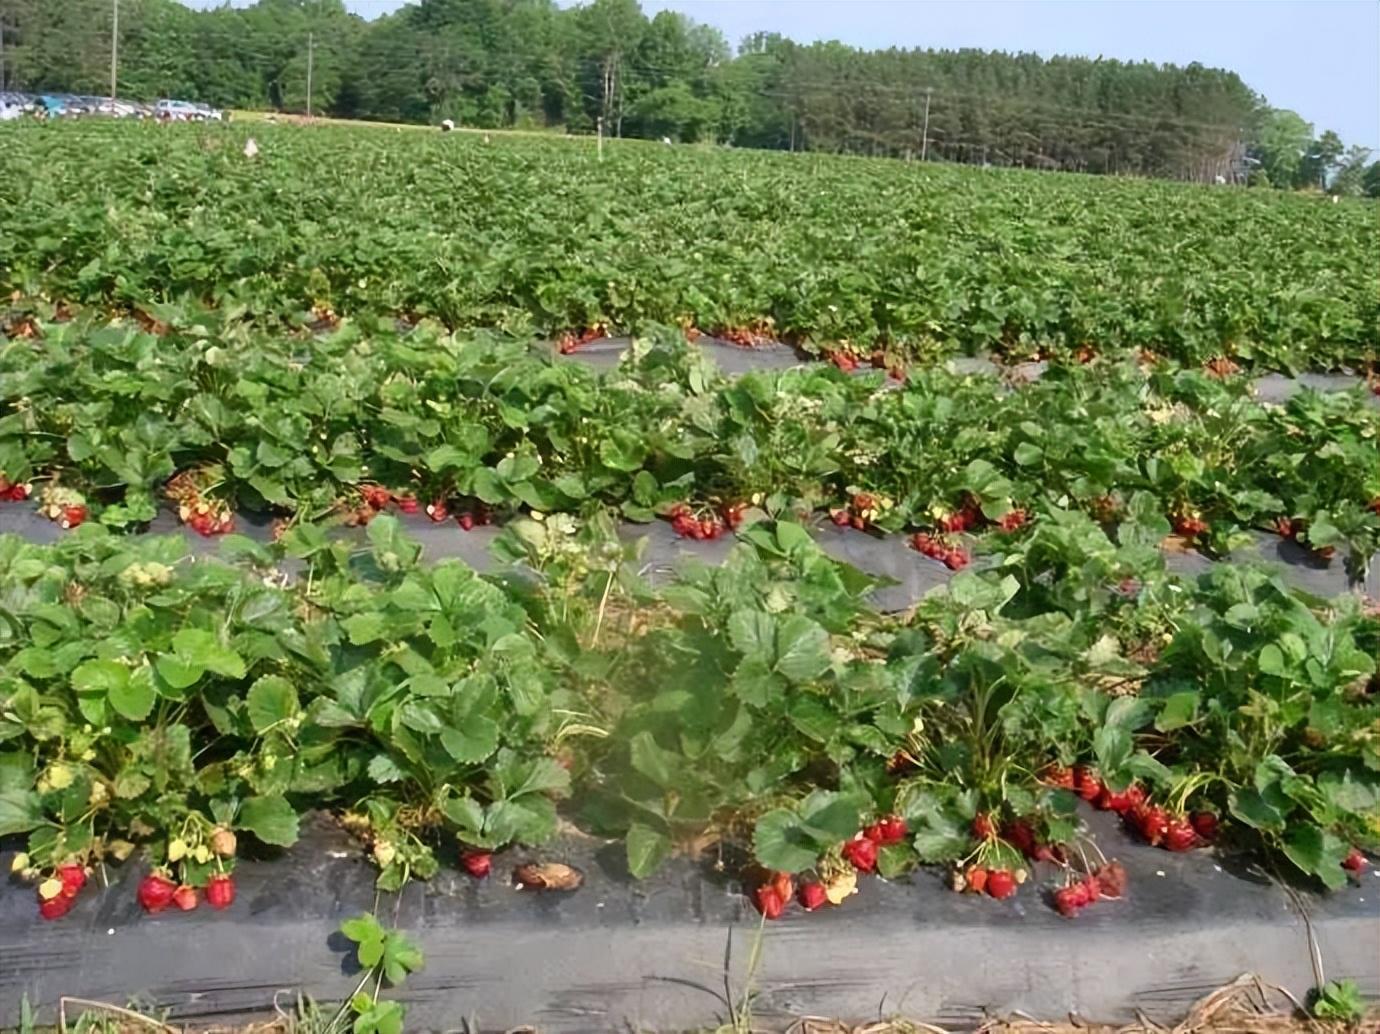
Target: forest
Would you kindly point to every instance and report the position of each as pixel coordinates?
(534, 64)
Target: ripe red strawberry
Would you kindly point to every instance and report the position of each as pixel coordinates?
(1021, 835)
(976, 879)
(1204, 824)
(1091, 888)
(893, 829)
(1086, 783)
(859, 523)
(466, 521)
(184, 897)
(1001, 884)
(1128, 588)
(1179, 835)
(1355, 861)
(784, 886)
(1068, 900)
(1111, 880)
(889, 829)
(812, 896)
(55, 908)
(839, 517)
(156, 892)
(733, 514)
(709, 528)
(956, 559)
(73, 516)
(1151, 822)
(983, 827)
(375, 496)
(1121, 802)
(437, 511)
(220, 891)
(1013, 520)
(408, 503)
(73, 879)
(477, 863)
(768, 901)
(861, 853)
(1058, 775)
(1188, 526)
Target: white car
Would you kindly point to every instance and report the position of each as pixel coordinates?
(186, 111)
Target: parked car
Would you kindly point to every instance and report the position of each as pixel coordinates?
(186, 111)
(15, 105)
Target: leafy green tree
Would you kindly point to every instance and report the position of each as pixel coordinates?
(496, 63)
(1321, 159)
(1281, 141)
(1370, 182)
(1350, 177)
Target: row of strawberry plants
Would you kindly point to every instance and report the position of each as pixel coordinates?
(531, 234)
(189, 707)
(98, 420)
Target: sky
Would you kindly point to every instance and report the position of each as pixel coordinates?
(1319, 57)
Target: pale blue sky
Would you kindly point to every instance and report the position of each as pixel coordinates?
(1319, 57)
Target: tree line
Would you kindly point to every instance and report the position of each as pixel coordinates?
(533, 64)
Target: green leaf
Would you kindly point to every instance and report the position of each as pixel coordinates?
(272, 699)
(753, 633)
(529, 819)
(780, 842)
(20, 811)
(1317, 853)
(466, 813)
(271, 819)
(99, 676)
(936, 846)
(830, 817)
(802, 648)
(895, 860)
(1248, 805)
(1270, 661)
(659, 765)
(135, 698)
(647, 849)
(199, 647)
(177, 672)
(474, 743)
(362, 928)
(400, 957)
(364, 628)
(1179, 709)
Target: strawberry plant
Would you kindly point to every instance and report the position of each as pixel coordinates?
(847, 257)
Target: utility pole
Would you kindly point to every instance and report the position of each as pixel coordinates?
(925, 133)
(599, 128)
(311, 49)
(114, 47)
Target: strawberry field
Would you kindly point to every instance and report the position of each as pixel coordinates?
(358, 328)
(837, 254)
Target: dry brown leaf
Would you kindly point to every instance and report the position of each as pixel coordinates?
(548, 876)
